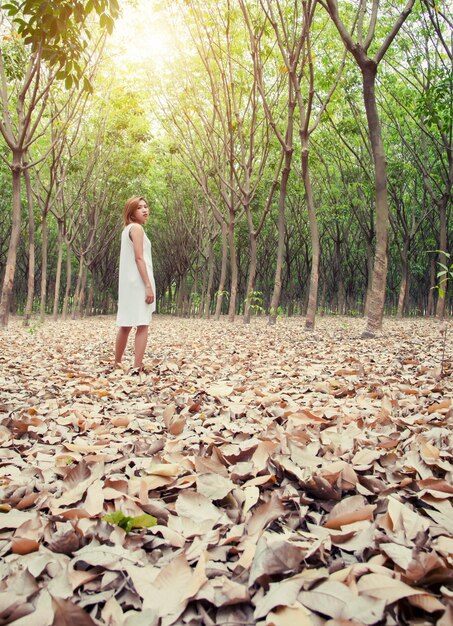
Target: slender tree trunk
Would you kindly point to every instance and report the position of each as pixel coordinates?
(376, 297)
(275, 301)
(42, 311)
(193, 290)
(233, 268)
(342, 305)
(58, 272)
(404, 286)
(78, 289)
(205, 271)
(81, 310)
(440, 308)
(223, 271)
(315, 248)
(170, 298)
(322, 304)
(31, 249)
(369, 269)
(251, 282)
(207, 305)
(90, 299)
(10, 267)
(68, 281)
(181, 296)
(432, 283)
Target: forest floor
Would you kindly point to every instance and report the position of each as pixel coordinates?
(297, 479)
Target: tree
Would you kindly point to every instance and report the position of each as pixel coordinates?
(368, 66)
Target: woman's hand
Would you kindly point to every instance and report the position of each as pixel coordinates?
(149, 295)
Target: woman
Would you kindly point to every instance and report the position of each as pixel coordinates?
(136, 294)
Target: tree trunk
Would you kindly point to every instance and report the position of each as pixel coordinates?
(369, 269)
(201, 307)
(315, 248)
(281, 239)
(404, 286)
(81, 304)
(68, 281)
(31, 250)
(10, 267)
(181, 297)
(58, 273)
(78, 289)
(251, 282)
(89, 307)
(432, 284)
(42, 310)
(170, 298)
(322, 304)
(223, 271)
(376, 297)
(207, 305)
(233, 268)
(441, 300)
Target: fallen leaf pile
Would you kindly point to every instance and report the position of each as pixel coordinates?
(251, 475)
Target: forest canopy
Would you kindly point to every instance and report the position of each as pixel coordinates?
(296, 156)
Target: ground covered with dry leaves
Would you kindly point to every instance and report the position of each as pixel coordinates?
(294, 478)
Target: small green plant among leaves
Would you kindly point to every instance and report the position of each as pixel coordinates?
(255, 300)
(33, 328)
(128, 523)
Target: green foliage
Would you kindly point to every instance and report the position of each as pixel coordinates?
(14, 57)
(434, 104)
(59, 31)
(34, 328)
(128, 523)
(223, 293)
(444, 275)
(196, 299)
(255, 300)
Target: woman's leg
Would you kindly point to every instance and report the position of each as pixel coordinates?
(121, 342)
(141, 338)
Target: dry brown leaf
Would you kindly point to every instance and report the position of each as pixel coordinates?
(174, 421)
(290, 616)
(264, 515)
(213, 486)
(427, 602)
(348, 511)
(67, 614)
(385, 588)
(280, 594)
(21, 545)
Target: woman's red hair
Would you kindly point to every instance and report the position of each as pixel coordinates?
(130, 207)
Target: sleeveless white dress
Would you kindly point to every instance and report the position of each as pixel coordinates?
(132, 308)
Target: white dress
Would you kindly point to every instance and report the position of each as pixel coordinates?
(132, 308)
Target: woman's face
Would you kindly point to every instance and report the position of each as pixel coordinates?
(141, 213)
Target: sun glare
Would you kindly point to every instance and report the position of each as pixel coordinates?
(142, 34)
